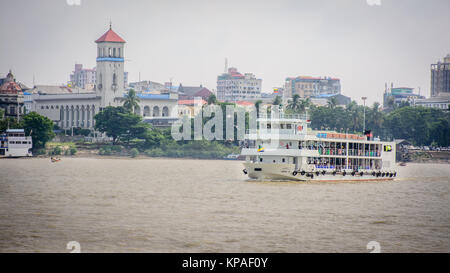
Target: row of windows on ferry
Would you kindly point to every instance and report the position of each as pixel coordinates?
(331, 163)
(331, 148)
(110, 52)
(19, 142)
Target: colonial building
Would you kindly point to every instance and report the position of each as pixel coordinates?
(192, 92)
(76, 107)
(11, 97)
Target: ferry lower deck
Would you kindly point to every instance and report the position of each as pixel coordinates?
(279, 171)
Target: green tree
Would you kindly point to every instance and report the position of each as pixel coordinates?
(257, 106)
(131, 101)
(118, 122)
(297, 105)
(332, 102)
(212, 99)
(40, 128)
(277, 101)
(9, 122)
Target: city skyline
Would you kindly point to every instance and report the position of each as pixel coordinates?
(395, 41)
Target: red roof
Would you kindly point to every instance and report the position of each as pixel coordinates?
(110, 36)
(190, 102)
(245, 103)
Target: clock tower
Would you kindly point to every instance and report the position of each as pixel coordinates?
(110, 70)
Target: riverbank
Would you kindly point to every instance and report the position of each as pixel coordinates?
(190, 150)
(439, 157)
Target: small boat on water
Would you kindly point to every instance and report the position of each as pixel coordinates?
(232, 157)
(402, 164)
(55, 159)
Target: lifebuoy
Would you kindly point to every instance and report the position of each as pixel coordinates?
(344, 173)
(302, 172)
(395, 174)
(361, 173)
(353, 173)
(245, 171)
(374, 173)
(323, 172)
(378, 174)
(334, 172)
(294, 173)
(382, 174)
(317, 173)
(391, 174)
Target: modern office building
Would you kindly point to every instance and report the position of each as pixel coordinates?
(398, 95)
(440, 78)
(86, 78)
(233, 86)
(308, 87)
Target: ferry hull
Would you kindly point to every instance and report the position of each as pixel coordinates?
(284, 172)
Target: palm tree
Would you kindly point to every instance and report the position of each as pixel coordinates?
(390, 104)
(298, 105)
(257, 105)
(277, 101)
(294, 104)
(332, 102)
(376, 116)
(131, 101)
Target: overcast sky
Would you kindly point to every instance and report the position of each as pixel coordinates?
(363, 45)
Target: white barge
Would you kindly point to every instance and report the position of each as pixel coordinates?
(14, 143)
(283, 148)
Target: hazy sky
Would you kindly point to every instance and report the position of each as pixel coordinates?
(363, 45)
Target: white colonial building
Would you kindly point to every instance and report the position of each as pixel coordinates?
(72, 107)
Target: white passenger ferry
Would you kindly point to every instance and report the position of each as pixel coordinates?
(283, 148)
(14, 143)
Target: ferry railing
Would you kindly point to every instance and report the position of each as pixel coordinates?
(271, 131)
(284, 116)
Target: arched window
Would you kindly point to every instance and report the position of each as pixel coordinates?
(165, 111)
(114, 79)
(156, 111)
(146, 111)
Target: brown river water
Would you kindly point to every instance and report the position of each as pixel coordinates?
(182, 205)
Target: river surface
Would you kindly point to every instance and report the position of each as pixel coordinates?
(181, 205)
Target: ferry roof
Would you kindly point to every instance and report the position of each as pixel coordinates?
(15, 131)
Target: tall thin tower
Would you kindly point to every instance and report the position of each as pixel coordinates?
(225, 70)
